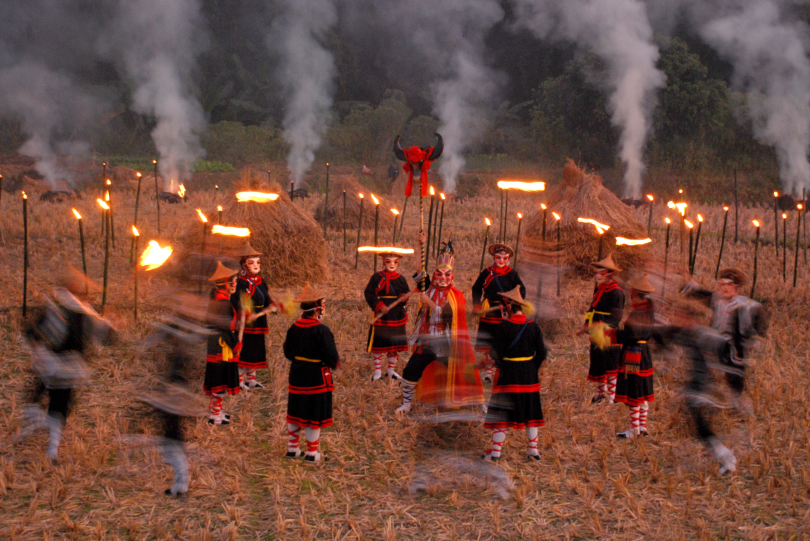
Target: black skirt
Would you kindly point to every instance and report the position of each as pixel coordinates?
(385, 339)
(309, 401)
(254, 352)
(604, 364)
(515, 400)
(635, 383)
(483, 338)
(221, 377)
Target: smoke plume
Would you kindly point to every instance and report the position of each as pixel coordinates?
(306, 74)
(157, 43)
(619, 33)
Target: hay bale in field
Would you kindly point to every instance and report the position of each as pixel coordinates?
(353, 188)
(582, 195)
(291, 239)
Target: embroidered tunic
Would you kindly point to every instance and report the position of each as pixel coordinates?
(518, 350)
(635, 382)
(310, 346)
(223, 348)
(254, 349)
(388, 334)
(485, 295)
(606, 306)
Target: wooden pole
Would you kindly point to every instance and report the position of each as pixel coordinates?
(157, 195)
(796, 253)
(402, 219)
(430, 222)
(500, 218)
(545, 209)
(326, 202)
(84, 258)
(736, 210)
(484, 248)
(394, 233)
(25, 254)
(559, 256)
(376, 231)
(756, 259)
(776, 223)
(344, 221)
(784, 246)
(423, 270)
(359, 230)
(505, 216)
(666, 258)
(649, 218)
(133, 251)
(106, 262)
(517, 239)
(722, 242)
(441, 223)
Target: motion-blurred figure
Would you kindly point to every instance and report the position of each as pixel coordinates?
(58, 340)
(518, 351)
(443, 362)
(310, 346)
(499, 278)
(606, 307)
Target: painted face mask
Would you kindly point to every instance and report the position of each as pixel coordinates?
(253, 265)
(391, 264)
(442, 278)
(501, 259)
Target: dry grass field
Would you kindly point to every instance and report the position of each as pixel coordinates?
(389, 478)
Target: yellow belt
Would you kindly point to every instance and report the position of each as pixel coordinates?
(518, 358)
(589, 316)
(297, 358)
(387, 297)
(641, 342)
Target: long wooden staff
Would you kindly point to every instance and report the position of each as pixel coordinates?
(423, 269)
(400, 300)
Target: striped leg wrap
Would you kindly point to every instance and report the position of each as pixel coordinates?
(611, 388)
(294, 435)
(378, 360)
(216, 405)
(635, 414)
(392, 362)
(313, 440)
(642, 418)
(498, 437)
(533, 435)
(407, 391)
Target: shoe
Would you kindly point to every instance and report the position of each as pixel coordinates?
(255, 385)
(219, 421)
(628, 434)
(294, 453)
(643, 432)
(404, 408)
(377, 375)
(244, 387)
(489, 458)
(728, 462)
(169, 492)
(533, 458)
(226, 416)
(393, 375)
(598, 397)
(316, 458)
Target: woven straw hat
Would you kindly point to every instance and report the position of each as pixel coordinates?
(498, 247)
(514, 296)
(642, 283)
(249, 251)
(309, 294)
(222, 273)
(607, 263)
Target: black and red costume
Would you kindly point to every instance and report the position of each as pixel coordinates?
(223, 348)
(634, 386)
(607, 306)
(310, 346)
(254, 349)
(518, 350)
(490, 282)
(388, 334)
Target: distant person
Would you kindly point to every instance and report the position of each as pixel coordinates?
(519, 351)
(386, 294)
(606, 307)
(498, 278)
(310, 347)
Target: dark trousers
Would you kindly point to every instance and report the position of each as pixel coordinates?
(59, 400)
(418, 362)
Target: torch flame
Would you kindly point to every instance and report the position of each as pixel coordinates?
(621, 241)
(671, 204)
(107, 196)
(776, 194)
(680, 191)
(800, 206)
(361, 195)
(526, 186)
(442, 196)
(76, 214)
(725, 209)
(154, 161)
(600, 228)
(784, 216)
(109, 183)
(688, 224)
(182, 191)
(650, 197)
(520, 216)
(256, 197)
(487, 222)
(755, 222)
(681, 208)
(667, 220)
(231, 231)
(385, 250)
(154, 255)
(432, 191)
(700, 218)
(376, 201)
(138, 174)
(543, 206)
(395, 212)
(102, 204)
(135, 232)
(202, 216)
(556, 216)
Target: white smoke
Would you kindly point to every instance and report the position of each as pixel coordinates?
(158, 43)
(619, 33)
(306, 71)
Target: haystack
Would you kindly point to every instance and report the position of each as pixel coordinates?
(291, 239)
(353, 188)
(582, 195)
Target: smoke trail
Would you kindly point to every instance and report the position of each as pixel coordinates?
(158, 43)
(307, 71)
(770, 62)
(448, 38)
(619, 33)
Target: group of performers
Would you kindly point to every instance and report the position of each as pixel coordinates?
(442, 369)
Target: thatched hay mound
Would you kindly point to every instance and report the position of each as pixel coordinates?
(291, 239)
(353, 188)
(582, 195)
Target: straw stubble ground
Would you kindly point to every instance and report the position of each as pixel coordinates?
(109, 483)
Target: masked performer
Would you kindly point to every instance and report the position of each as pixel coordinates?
(256, 302)
(224, 345)
(736, 317)
(443, 361)
(606, 307)
(635, 380)
(58, 340)
(498, 278)
(518, 351)
(386, 293)
(311, 349)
